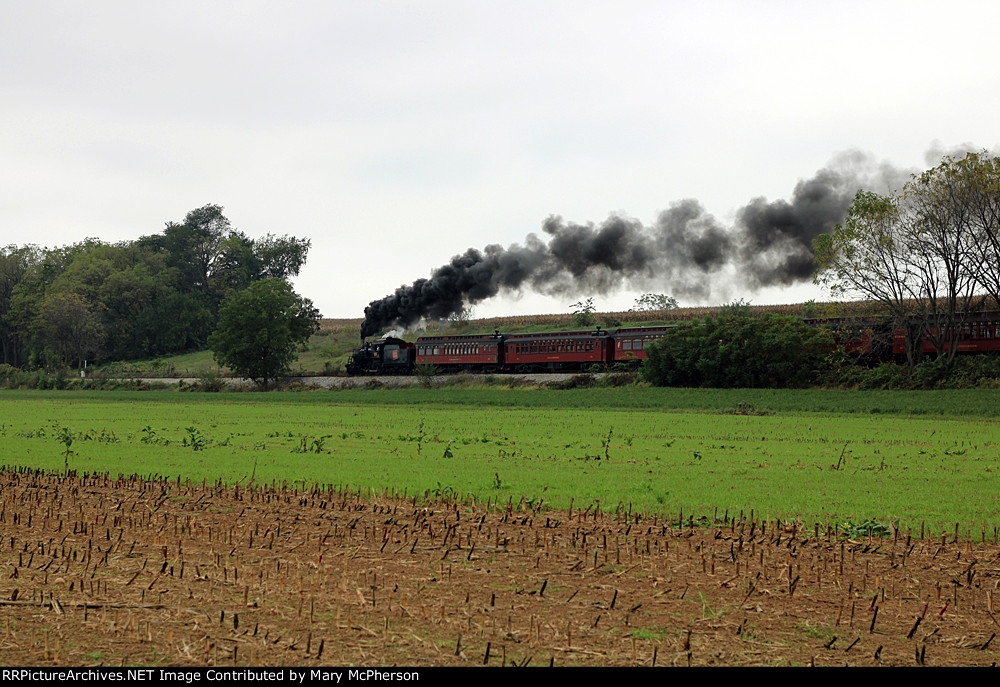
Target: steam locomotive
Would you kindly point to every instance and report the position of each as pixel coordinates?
(873, 340)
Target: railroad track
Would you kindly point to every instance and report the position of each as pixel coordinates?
(361, 380)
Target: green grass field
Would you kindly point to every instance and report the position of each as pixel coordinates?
(924, 458)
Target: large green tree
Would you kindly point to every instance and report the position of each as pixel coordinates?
(260, 329)
(209, 257)
(650, 302)
(16, 264)
(70, 328)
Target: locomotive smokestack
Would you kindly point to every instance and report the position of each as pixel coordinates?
(682, 251)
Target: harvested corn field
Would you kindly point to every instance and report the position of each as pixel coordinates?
(135, 571)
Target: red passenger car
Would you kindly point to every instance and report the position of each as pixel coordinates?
(475, 352)
(980, 333)
(553, 351)
(630, 343)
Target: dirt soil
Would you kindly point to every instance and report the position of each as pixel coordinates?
(99, 571)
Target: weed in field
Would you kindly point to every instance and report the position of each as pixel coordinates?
(747, 632)
(420, 437)
(706, 609)
(195, 439)
(151, 437)
(66, 437)
(868, 528)
(313, 444)
(445, 490)
(822, 633)
(106, 437)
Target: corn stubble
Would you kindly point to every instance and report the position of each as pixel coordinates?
(100, 570)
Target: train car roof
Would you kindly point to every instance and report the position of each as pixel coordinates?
(565, 336)
(461, 338)
(628, 331)
(579, 333)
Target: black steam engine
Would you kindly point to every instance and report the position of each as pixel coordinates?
(385, 356)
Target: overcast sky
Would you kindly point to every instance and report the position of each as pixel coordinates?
(395, 135)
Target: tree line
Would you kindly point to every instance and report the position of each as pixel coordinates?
(160, 294)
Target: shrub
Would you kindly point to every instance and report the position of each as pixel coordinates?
(738, 351)
(974, 371)
(967, 372)
(211, 381)
(884, 376)
(426, 374)
(10, 377)
(620, 379)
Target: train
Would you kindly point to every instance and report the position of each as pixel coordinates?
(871, 340)
(507, 353)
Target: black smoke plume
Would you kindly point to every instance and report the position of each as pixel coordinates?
(686, 251)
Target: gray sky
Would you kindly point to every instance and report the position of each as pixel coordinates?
(398, 134)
